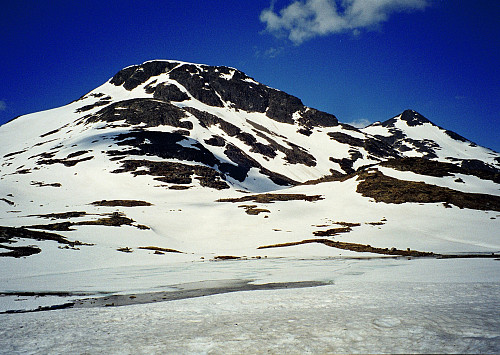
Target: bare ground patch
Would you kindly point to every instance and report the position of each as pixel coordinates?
(121, 203)
(19, 252)
(43, 184)
(386, 189)
(10, 235)
(62, 215)
(270, 198)
(346, 227)
(163, 250)
(9, 202)
(428, 167)
(354, 247)
(332, 232)
(253, 210)
(115, 219)
(66, 161)
(366, 248)
(227, 257)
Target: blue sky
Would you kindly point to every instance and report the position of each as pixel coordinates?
(362, 60)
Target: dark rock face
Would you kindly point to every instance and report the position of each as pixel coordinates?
(165, 145)
(282, 106)
(298, 155)
(192, 78)
(425, 146)
(346, 139)
(207, 84)
(374, 146)
(243, 165)
(19, 252)
(206, 119)
(175, 173)
(380, 149)
(154, 113)
(422, 166)
(215, 86)
(225, 87)
(305, 131)
(278, 179)
(474, 164)
(136, 75)
(412, 119)
(169, 92)
(135, 111)
(398, 141)
(259, 129)
(346, 164)
(216, 141)
(242, 94)
(169, 146)
(349, 127)
(313, 118)
(294, 155)
(102, 102)
(455, 136)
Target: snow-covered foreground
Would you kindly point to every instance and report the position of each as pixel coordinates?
(377, 305)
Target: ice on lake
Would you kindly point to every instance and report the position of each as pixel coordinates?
(371, 306)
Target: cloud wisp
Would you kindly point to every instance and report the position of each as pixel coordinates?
(303, 20)
(271, 52)
(360, 123)
(3, 106)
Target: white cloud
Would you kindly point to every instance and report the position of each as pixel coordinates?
(303, 20)
(3, 106)
(359, 123)
(273, 52)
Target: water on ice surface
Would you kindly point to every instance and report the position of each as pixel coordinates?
(373, 306)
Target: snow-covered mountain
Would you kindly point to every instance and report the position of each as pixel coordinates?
(171, 156)
(413, 135)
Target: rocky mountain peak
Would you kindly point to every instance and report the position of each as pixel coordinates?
(413, 118)
(410, 117)
(191, 124)
(219, 86)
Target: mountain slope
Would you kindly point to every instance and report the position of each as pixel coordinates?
(413, 135)
(172, 156)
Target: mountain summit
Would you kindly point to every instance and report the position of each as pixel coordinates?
(205, 161)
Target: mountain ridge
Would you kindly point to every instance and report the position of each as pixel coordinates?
(207, 161)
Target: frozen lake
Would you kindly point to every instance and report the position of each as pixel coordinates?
(370, 306)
